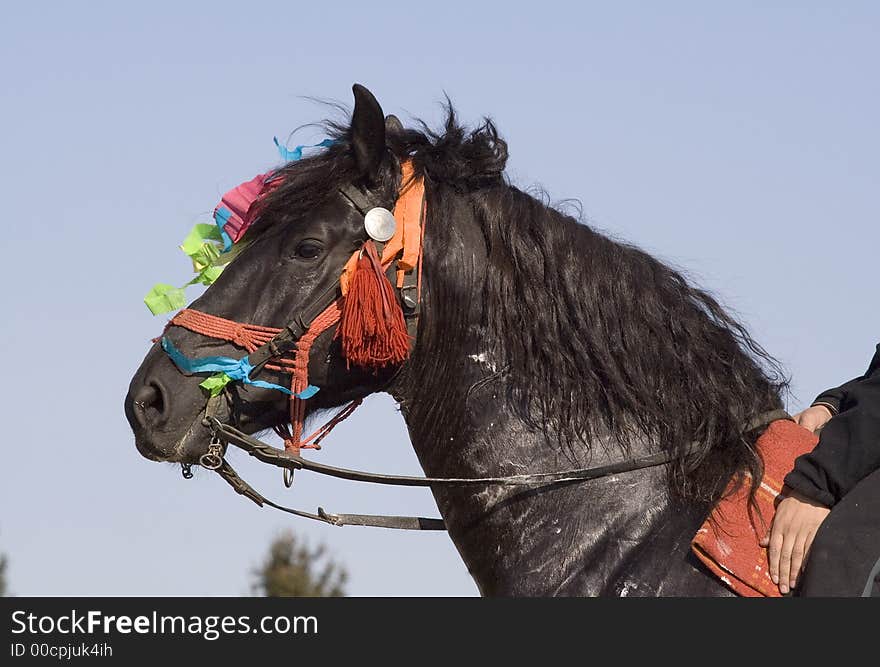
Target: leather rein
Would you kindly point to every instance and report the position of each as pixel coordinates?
(228, 435)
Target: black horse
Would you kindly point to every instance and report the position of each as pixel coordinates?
(542, 346)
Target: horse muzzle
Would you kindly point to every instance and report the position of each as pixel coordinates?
(165, 413)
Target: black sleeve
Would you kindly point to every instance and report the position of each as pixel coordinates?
(849, 444)
(833, 398)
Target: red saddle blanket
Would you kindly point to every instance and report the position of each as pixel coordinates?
(727, 542)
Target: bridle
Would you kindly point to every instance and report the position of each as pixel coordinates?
(270, 348)
(397, 254)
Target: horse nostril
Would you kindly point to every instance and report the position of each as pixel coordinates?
(146, 396)
(148, 403)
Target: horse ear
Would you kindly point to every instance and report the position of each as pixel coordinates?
(367, 132)
(393, 124)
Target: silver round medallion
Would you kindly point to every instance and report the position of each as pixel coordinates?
(380, 224)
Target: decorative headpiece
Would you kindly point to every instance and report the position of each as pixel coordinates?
(212, 247)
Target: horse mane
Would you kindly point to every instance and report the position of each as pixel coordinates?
(597, 337)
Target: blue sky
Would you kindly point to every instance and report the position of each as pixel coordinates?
(737, 142)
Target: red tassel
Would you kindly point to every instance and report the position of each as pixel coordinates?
(372, 327)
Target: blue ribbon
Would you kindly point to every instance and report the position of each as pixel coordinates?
(237, 369)
(221, 217)
(308, 392)
(296, 154)
(222, 214)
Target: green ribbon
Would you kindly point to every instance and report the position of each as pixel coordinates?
(164, 298)
(215, 383)
(203, 245)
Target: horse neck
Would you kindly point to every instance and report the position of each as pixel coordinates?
(586, 538)
(582, 539)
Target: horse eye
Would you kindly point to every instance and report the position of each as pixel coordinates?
(308, 250)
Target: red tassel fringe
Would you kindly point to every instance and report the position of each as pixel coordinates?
(372, 327)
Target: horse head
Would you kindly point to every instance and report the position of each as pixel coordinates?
(306, 230)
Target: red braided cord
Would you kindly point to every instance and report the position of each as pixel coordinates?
(300, 379)
(248, 336)
(252, 336)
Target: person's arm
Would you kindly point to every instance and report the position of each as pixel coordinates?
(848, 450)
(832, 399)
(827, 404)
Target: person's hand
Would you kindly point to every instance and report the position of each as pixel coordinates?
(814, 418)
(794, 526)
